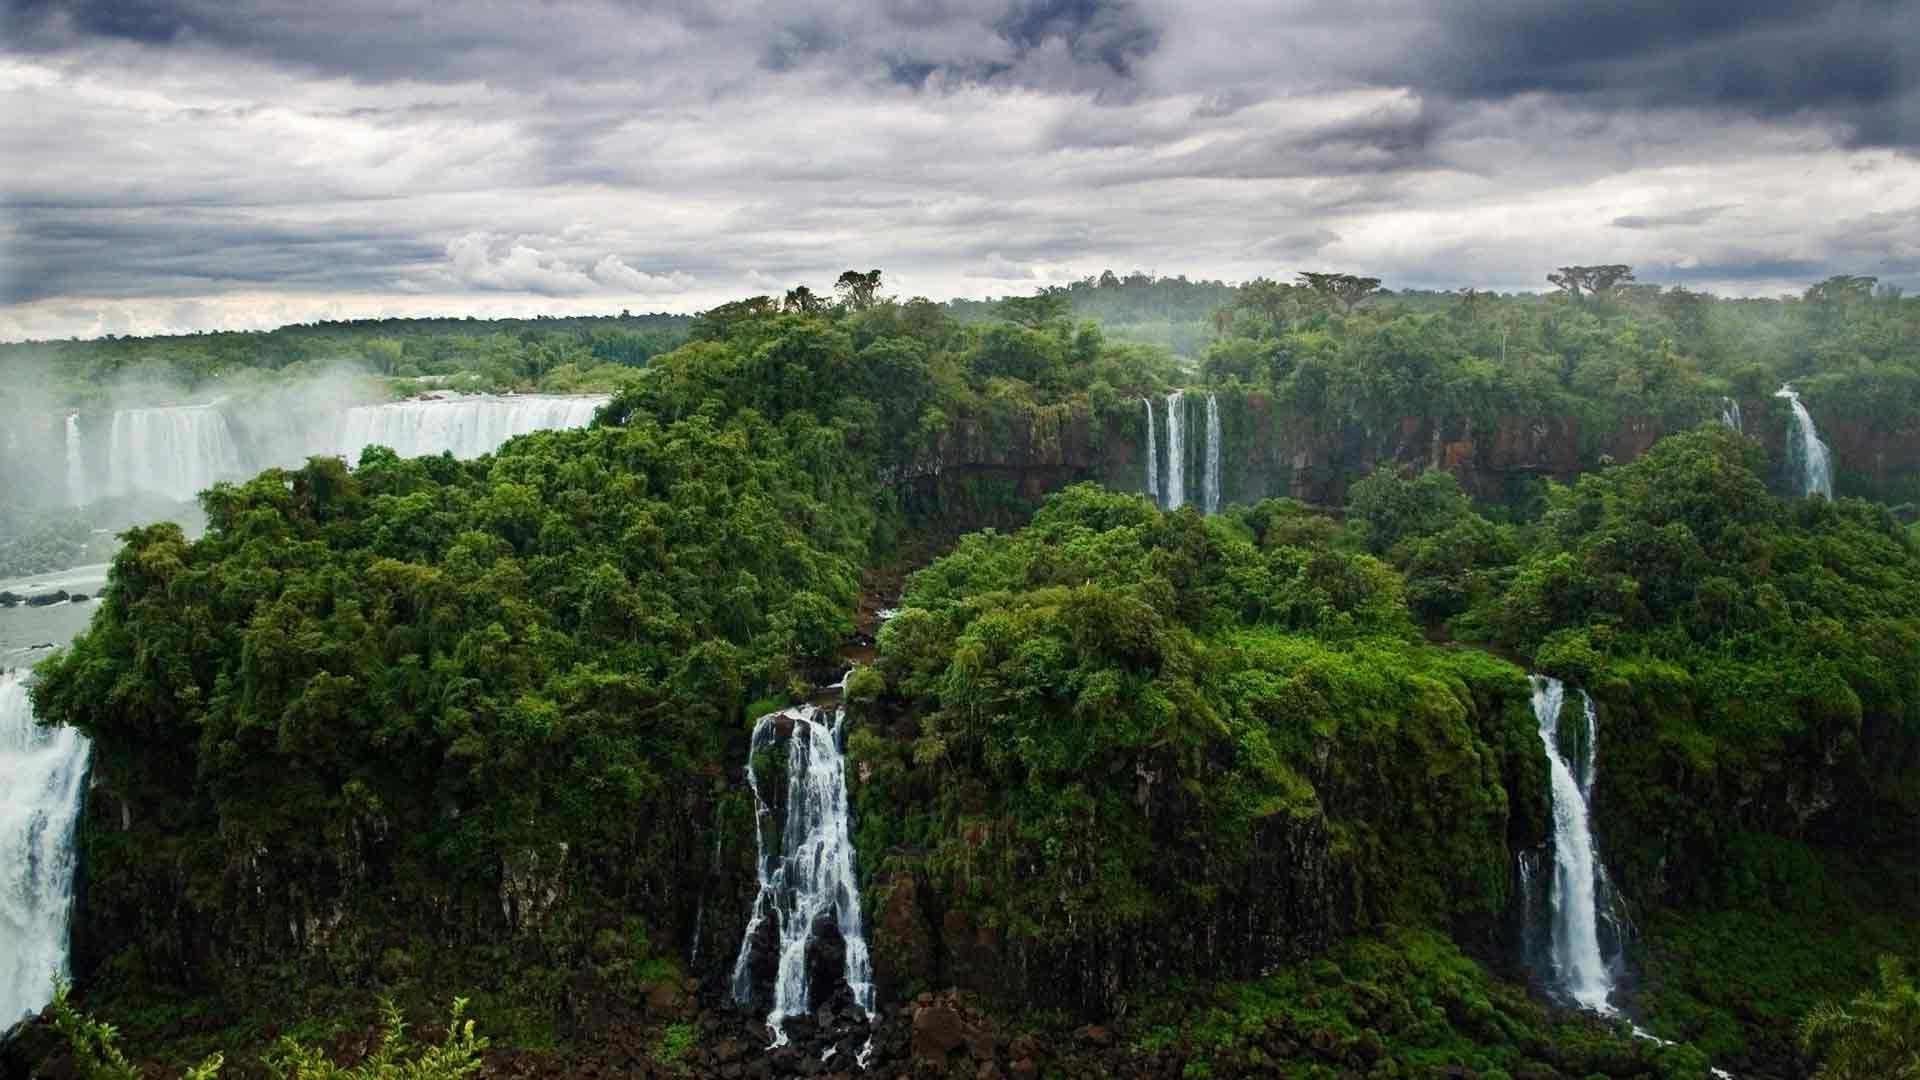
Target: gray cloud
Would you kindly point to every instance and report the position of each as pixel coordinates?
(238, 160)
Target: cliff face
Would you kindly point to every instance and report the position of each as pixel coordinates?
(1268, 451)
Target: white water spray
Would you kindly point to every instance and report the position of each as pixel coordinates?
(41, 774)
(76, 464)
(1210, 490)
(1730, 415)
(1153, 455)
(174, 451)
(465, 427)
(1579, 881)
(1176, 451)
(1805, 449)
(812, 875)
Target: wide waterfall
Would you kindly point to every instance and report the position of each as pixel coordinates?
(172, 451)
(1805, 450)
(1210, 480)
(1176, 451)
(41, 774)
(1153, 455)
(1578, 886)
(1730, 415)
(466, 426)
(76, 464)
(811, 876)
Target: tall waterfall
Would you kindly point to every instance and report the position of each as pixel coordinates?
(173, 451)
(1176, 451)
(466, 426)
(76, 464)
(811, 876)
(1153, 455)
(1730, 415)
(41, 773)
(1579, 883)
(1210, 489)
(1805, 449)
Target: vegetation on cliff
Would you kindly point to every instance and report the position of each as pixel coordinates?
(434, 726)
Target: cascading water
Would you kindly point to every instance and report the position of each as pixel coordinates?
(173, 451)
(1805, 449)
(465, 427)
(1153, 455)
(811, 876)
(1730, 415)
(1578, 883)
(1210, 490)
(41, 775)
(1176, 452)
(76, 464)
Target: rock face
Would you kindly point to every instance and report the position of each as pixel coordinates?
(1268, 451)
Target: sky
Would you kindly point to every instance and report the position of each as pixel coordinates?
(180, 165)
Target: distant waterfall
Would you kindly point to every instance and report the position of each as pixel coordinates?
(1805, 450)
(1176, 451)
(1153, 455)
(174, 451)
(466, 427)
(1730, 415)
(76, 464)
(41, 774)
(1210, 490)
(1578, 885)
(811, 876)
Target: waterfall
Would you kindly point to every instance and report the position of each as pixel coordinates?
(1153, 455)
(1578, 882)
(1805, 449)
(76, 464)
(466, 427)
(1730, 415)
(41, 775)
(173, 451)
(811, 876)
(1176, 452)
(1210, 481)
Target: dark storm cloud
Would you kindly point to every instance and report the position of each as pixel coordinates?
(1855, 61)
(1111, 32)
(116, 254)
(1698, 215)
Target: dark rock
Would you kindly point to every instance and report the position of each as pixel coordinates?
(937, 1031)
(47, 599)
(79, 597)
(1094, 1035)
(1024, 1069)
(9, 599)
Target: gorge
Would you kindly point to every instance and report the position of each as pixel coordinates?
(1249, 769)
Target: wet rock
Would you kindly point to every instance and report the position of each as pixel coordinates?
(9, 599)
(47, 599)
(78, 598)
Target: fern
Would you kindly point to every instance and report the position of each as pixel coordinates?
(394, 1056)
(1876, 1036)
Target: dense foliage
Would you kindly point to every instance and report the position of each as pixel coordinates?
(477, 726)
(1124, 715)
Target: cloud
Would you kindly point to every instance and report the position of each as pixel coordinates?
(185, 161)
(613, 272)
(483, 261)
